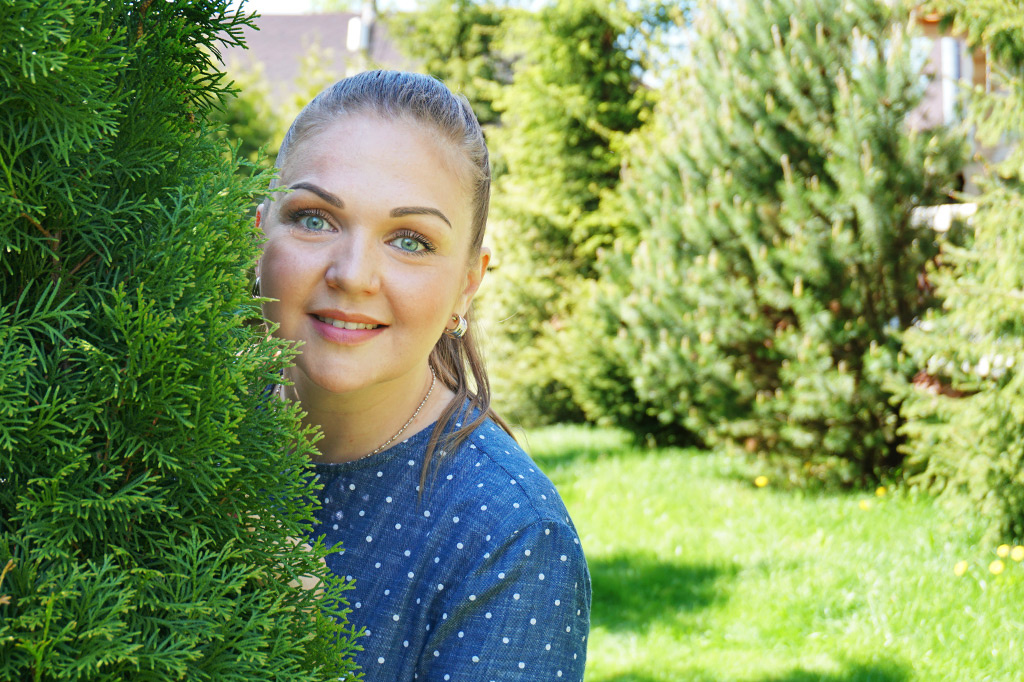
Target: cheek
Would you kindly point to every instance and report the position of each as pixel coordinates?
(284, 275)
(281, 267)
(429, 299)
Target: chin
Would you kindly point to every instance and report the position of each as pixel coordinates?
(329, 380)
(336, 384)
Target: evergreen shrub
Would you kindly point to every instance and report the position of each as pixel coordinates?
(149, 493)
(458, 41)
(965, 410)
(778, 258)
(575, 90)
(597, 372)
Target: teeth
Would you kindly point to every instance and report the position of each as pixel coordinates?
(346, 325)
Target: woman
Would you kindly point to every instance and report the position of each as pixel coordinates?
(466, 564)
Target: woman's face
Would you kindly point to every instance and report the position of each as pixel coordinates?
(368, 255)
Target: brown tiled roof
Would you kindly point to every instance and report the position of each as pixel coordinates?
(284, 39)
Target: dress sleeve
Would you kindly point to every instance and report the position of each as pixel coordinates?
(521, 615)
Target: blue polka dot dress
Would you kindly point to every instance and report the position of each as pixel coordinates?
(483, 578)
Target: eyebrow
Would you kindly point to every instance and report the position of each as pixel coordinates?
(320, 192)
(419, 210)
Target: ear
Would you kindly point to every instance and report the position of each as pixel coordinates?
(474, 275)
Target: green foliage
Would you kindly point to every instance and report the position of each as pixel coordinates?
(595, 372)
(253, 120)
(777, 255)
(313, 77)
(575, 91)
(600, 374)
(148, 491)
(458, 41)
(966, 423)
(993, 25)
(247, 120)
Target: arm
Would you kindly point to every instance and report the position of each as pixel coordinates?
(522, 614)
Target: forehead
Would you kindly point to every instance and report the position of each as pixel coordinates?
(383, 146)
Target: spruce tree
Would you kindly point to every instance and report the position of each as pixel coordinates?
(966, 408)
(778, 256)
(151, 497)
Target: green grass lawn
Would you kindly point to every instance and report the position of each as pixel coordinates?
(700, 575)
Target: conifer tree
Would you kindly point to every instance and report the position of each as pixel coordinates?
(778, 256)
(458, 41)
(149, 492)
(601, 369)
(966, 409)
(575, 90)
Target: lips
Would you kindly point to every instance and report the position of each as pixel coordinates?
(345, 324)
(343, 321)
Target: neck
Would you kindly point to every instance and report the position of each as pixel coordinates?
(357, 422)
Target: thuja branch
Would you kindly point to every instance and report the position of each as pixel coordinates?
(35, 224)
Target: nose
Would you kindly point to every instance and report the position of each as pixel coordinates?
(354, 266)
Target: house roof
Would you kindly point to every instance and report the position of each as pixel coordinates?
(283, 40)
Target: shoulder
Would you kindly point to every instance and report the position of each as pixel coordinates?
(520, 575)
(507, 514)
(490, 471)
(483, 554)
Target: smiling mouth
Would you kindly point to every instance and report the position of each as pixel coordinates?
(341, 324)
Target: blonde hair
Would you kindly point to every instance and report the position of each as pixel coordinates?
(396, 95)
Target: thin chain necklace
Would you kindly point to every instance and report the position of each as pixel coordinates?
(433, 380)
(389, 441)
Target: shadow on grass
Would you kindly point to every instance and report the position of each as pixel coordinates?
(856, 673)
(576, 449)
(822, 478)
(632, 592)
(559, 447)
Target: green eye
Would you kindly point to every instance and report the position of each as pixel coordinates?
(411, 242)
(313, 223)
(408, 244)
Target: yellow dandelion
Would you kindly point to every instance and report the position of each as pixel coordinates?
(996, 567)
(761, 481)
(865, 504)
(959, 568)
(1017, 554)
(1003, 551)
(880, 491)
